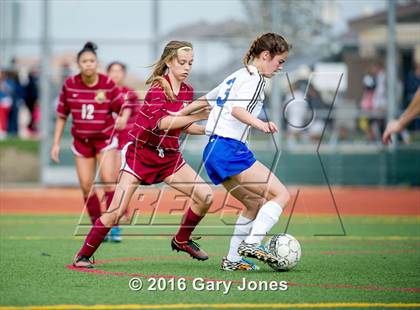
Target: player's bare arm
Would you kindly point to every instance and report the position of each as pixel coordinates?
(58, 133)
(121, 121)
(174, 122)
(195, 129)
(412, 111)
(197, 105)
(398, 125)
(247, 118)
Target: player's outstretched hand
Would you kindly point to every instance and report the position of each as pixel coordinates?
(273, 127)
(55, 153)
(267, 127)
(182, 112)
(392, 127)
(203, 114)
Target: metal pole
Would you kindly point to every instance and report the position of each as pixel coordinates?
(275, 110)
(45, 99)
(155, 30)
(15, 24)
(391, 63)
(5, 32)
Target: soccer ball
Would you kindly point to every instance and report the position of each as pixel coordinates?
(287, 249)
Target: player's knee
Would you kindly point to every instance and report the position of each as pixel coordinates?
(253, 205)
(282, 197)
(110, 218)
(207, 200)
(86, 189)
(285, 198)
(109, 187)
(115, 218)
(109, 182)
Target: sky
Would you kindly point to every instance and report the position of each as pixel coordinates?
(130, 21)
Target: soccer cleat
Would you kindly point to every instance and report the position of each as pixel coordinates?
(116, 234)
(190, 247)
(257, 251)
(82, 262)
(243, 264)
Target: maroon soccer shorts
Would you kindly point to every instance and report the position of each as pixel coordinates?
(149, 165)
(91, 147)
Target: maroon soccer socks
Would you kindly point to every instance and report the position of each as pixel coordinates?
(94, 239)
(93, 206)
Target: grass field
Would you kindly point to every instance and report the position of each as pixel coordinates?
(377, 264)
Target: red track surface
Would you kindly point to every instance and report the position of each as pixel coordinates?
(311, 200)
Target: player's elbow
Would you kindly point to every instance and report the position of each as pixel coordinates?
(237, 111)
(163, 124)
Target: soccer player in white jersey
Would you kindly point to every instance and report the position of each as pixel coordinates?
(236, 103)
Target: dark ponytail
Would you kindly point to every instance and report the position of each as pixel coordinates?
(88, 47)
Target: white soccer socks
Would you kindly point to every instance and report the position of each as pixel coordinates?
(242, 229)
(267, 217)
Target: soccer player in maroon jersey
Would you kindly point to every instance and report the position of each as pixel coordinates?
(90, 98)
(117, 72)
(153, 156)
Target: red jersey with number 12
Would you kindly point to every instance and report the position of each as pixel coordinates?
(90, 107)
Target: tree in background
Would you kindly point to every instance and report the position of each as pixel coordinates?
(304, 23)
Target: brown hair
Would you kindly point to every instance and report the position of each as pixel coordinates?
(116, 63)
(169, 52)
(274, 43)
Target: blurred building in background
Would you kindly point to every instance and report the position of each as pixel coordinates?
(369, 44)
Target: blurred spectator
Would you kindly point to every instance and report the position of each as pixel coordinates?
(16, 93)
(380, 104)
(369, 84)
(31, 91)
(5, 103)
(379, 92)
(413, 83)
(366, 104)
(379, 101)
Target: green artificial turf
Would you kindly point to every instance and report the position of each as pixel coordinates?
(378, 261)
